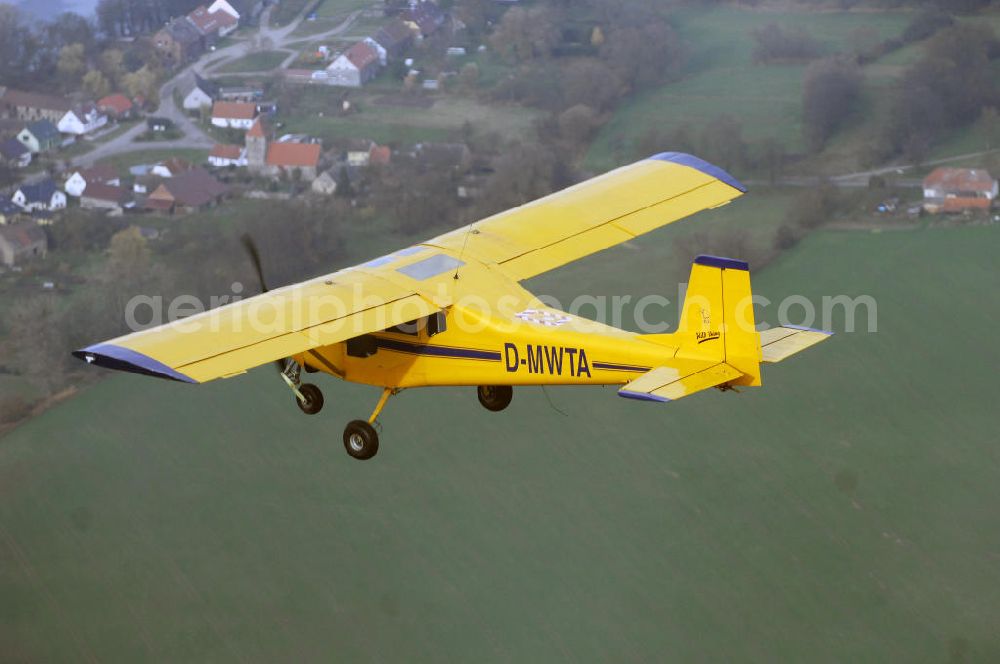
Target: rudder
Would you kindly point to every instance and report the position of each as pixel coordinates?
(717, 319)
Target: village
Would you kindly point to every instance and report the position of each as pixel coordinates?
(239, 132)
(248, 155)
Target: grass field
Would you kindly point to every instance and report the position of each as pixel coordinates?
(844, 512)
(386, 123)
(722, 78)
(261, 61)
(126, 160)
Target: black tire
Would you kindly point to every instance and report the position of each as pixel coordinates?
(495, 397)
(360, 440)
(314, 399)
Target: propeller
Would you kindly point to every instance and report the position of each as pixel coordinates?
(254, 253)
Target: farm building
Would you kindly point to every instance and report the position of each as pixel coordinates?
(21, 242)
(100, 196)
(958, 190)
(355, 66)
(235, 114)
(227, 155)
(193, 190)
(80, 179)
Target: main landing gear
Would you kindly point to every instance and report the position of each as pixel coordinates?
(495, 397)
(360, 437)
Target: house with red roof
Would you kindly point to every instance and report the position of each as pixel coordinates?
(116, 105)
(222, 155)
(959, 190)
(80, 179)
(100, 196)
(212, 25)
(235, 114)
(355, 66)
(194, 190)
(274, 158)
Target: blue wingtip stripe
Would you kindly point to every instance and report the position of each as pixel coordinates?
(641, 396)
(722, 262)
(115, 357)
(690, 160)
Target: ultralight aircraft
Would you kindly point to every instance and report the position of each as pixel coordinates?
(451, 310)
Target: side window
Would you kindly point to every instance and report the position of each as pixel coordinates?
(434, 324)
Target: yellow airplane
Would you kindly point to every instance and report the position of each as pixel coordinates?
(450, 311)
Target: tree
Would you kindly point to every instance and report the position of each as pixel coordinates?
(829, 93)
(722, 142)
(644, 56)
(577, 124)
(772, 42)
(71, 64)
(69, 28)
(112, 65)
(18, 47)
(95, 84)
(590, 82)
(770, 156)
(525, 34)
(38, 348)
(143, 82)
(989, 122)
(128, 256)
(468, 76)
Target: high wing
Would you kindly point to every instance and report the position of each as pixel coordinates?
(283, 322)
(593, 215)
(417, 281)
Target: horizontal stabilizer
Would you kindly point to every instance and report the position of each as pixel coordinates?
(779, 343)
(667, 384)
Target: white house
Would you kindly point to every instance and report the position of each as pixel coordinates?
(82, 120)
(227, 155)
(223, 6)
(235, 114)
(355, 66)
(77, 182)
(39, 196)
(202, 93)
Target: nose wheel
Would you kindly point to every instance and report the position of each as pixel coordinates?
(309, 399)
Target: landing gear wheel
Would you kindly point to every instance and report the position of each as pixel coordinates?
(313, 399)
(360, 440)
(495, 397)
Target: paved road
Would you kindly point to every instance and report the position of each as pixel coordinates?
(274, 39)
(267, 38)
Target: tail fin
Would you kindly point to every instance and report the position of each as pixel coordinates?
(717, 320)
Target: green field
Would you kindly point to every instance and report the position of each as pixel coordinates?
(384, 123)
(261, 61)
(722, 79)
(126, 160)
(844, 512)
